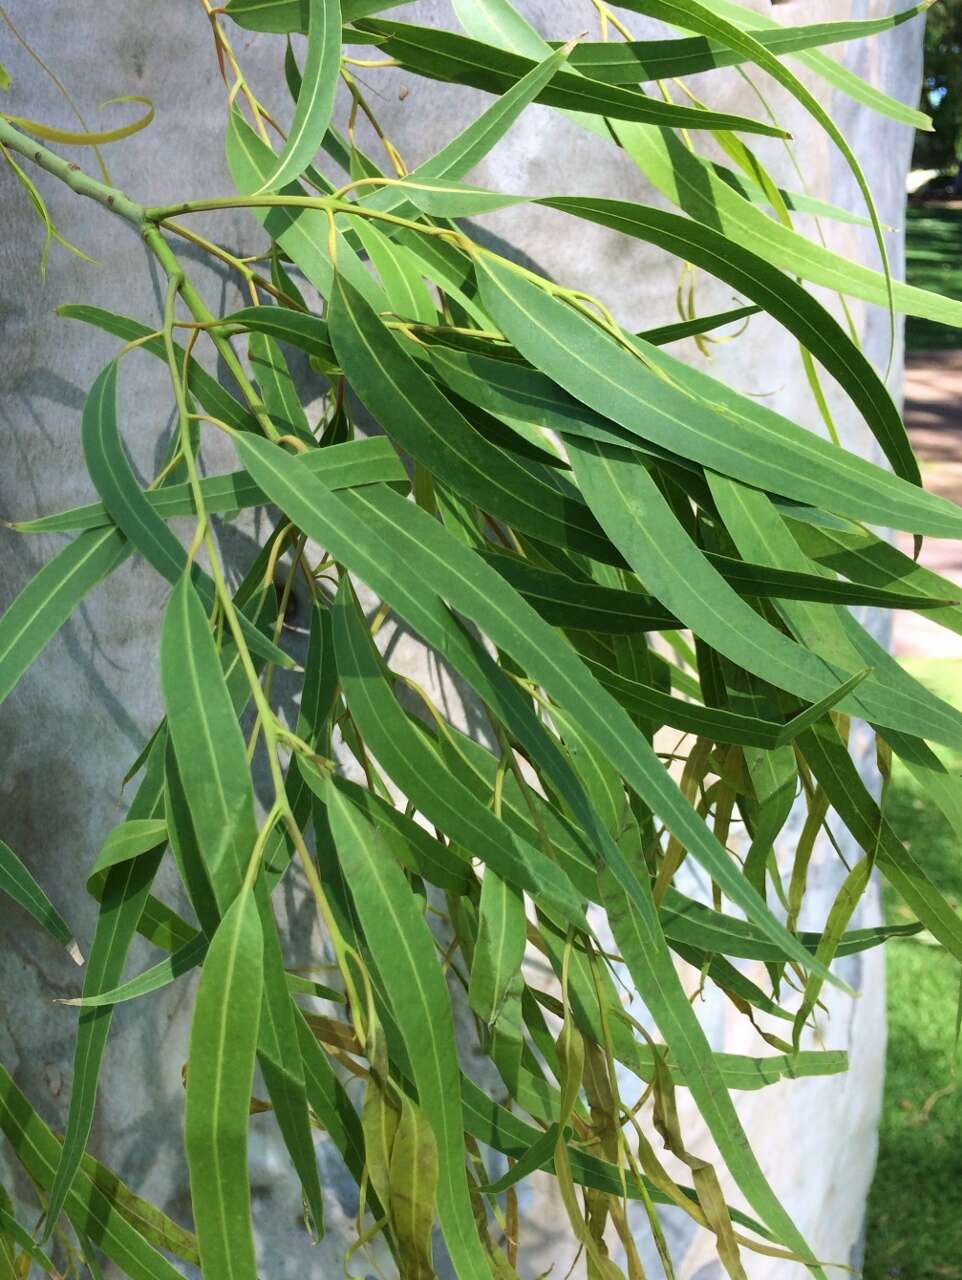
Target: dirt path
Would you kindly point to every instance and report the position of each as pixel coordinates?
(933, 416)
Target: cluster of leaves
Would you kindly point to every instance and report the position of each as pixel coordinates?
(628, 564)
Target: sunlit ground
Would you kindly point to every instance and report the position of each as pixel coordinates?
(934, 261)
(915, 1210)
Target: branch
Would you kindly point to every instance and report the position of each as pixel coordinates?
(72, 175)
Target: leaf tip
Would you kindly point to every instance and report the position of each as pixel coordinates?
(569, 46)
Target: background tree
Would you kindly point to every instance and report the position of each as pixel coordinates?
(942, 89)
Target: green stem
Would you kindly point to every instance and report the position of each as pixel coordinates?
(71, 174)
(116, 202)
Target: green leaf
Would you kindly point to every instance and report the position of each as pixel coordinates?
(220, 1073)
(836, 773)
(831, 70)
(627, 63)
(208, 743)
(777, 293)
(445, 198)
(499, 949)
(155, 1227)
(692, 183)
(890, 696)
(452, 58)
(88, 1207)
(50, 597)
(19, 885)
(640, 941)
(667, 333)
(355, 462)
(210, 395)
(416, 415)
(285, 16)
(11, 1232)
(691, 923)
(298, 329)
(125, 890)
(678, 408)
(277, 388)
(472, 144)
(444, 865)
(186, 957)
(312, 111)
(399, 271)
(567, 602)
(123, 498)
(413, 765)
(692, 15)
(864, 557)
(279, 1055)
(403, 953)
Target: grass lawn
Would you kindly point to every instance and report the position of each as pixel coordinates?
(933, 260)
(915, 1209)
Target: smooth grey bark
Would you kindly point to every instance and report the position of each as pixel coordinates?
(81, 714)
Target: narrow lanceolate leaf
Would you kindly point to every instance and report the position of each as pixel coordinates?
(692, 15)
(287, 16)
(830, 69)
(424, 423)
(19, 885)
(128, 506)
(413, 1189)
(183, 960)
(154, 1225)
(569, 602)
(88, 1206)
(403, 952)
(355, 462)
(220, 1073)
(499, 949)
(312, 112)
(444, 55)
(667, 333)
(279, 1055)
(470, 146)
(640, 941)
(210, 395)
(678, 408)
(836, 773)
(125, 890)
(890, 696)
(299, 329)
(779, 295)
(414, 766)
(397, 549)
(692, 183)
(634, 60)
(281, 400)
(13, 1237)
(50, 597)
(208, 743)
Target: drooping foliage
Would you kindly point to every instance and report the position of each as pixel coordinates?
(642, 578)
